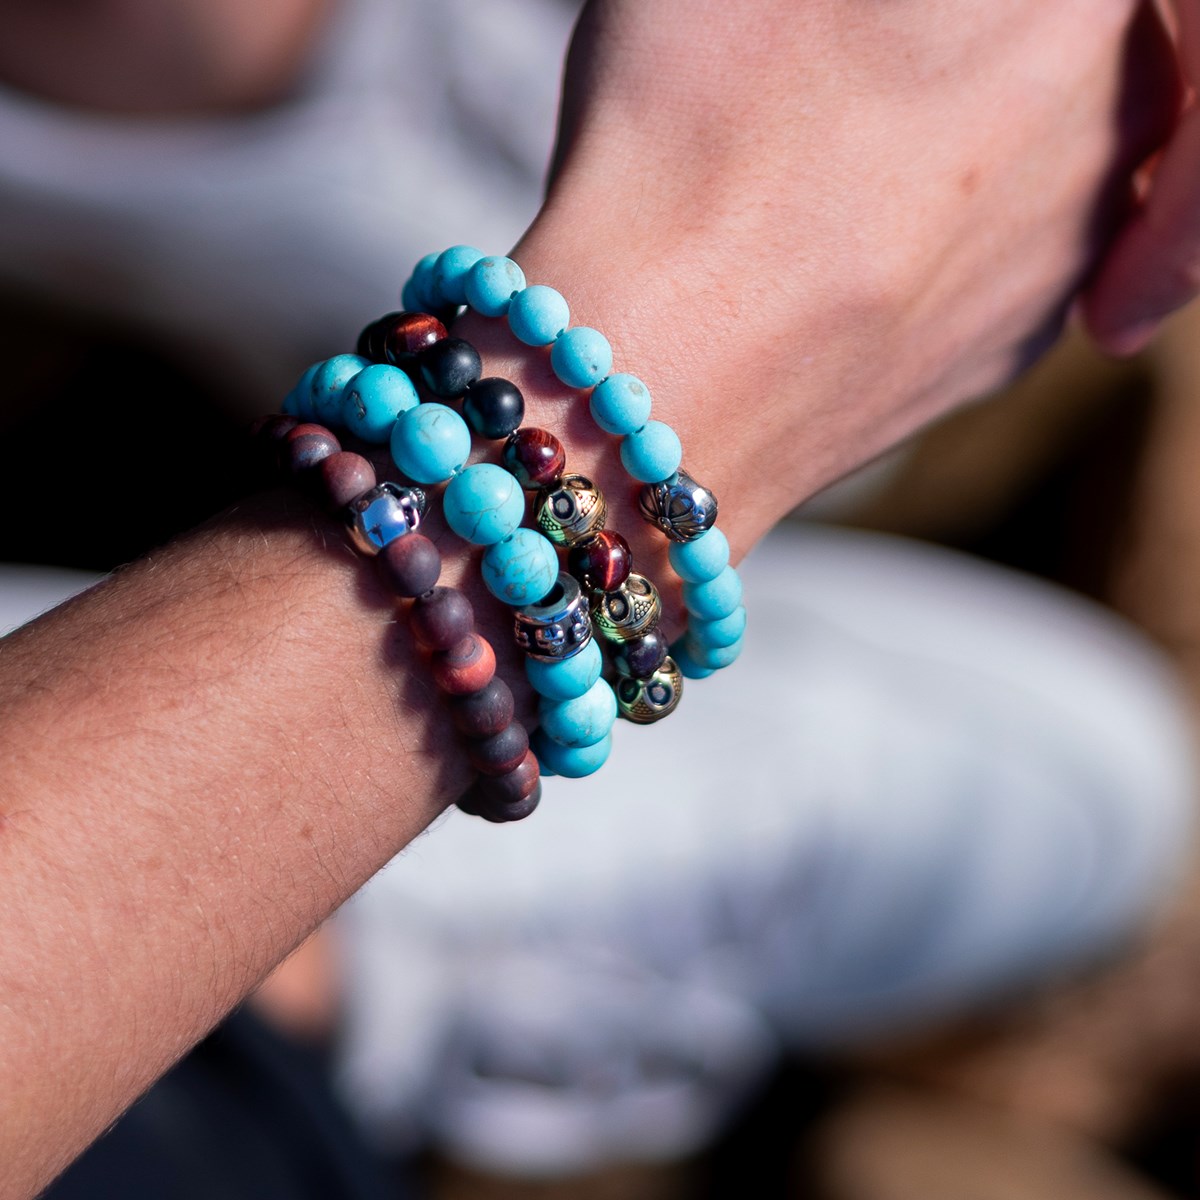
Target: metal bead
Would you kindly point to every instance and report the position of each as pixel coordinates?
(386, 512)
(628, 611)
(571, 509)
(679, 506)
(644, 701)
(557, 626)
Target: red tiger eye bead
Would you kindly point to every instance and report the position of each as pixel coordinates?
(603, 562)
(535, 457)
(408, 333)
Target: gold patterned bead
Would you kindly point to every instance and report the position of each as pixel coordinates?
(569, 510)
(644, 701)
(628, 611)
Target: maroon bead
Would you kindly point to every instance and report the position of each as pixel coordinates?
(485, 712)
(535, 457)
(641, 656)
(410, 565)
(509, 797)
(441, 618)
(514, 785)
(305, 446)
(271, 430)
(501, 814)
(466, 667)
(406, 334)
(603, 562)
(500, 753)
(345, 476)
(371, 340)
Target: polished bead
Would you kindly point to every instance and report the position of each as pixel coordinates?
(494, 407)
(449, 367)
(374, 399)
(537, 315)
(715, 598)
(515, 785)
(557, 626)
(407, 334)
(651, 453)
(420, 293)
(601, 562)
(644, 701)
(299, 401)
(568, 677)
(450, 273)
(535, 457)
(501, 752)
(571, 762)
(464, 668)
(724, 631)
(491, 283)
(483, 504)
(628, 611)
(581, 357)
(441, 618)
(641, 656)
(521, 569)
(714, 657)
(684, 661)
(410, 565)
(430, 443)
(582, 721)
(484, 712)
(370, 343)
(344, 477)
(620, 404)
(679, 506)
(305, 446)
(570, 510)
(701, 559)
(388, 511)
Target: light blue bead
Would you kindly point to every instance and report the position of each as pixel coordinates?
(430, 443)
(538, 315)
(374, 399)
(484, 504)
(715, 658)
(410, 299)
(522, 568)
(702, 558)
(491, 283)
(572, 762)
(450, 273)
(568, 677)
(686, 663)
(298, 402)
(582, 721)
(722, 632)
(328, 383)
(621, 404)
(421, 286)
(581, 357)
(652, 453)
(715, 598)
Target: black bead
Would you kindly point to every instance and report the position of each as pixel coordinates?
(371, 340)
(449, 367)
(494, 407)
(484, 712)
(641, 656)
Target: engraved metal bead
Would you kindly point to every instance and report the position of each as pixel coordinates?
(569, 510)
(679, 506)
(386, 512)
(556, 627)
(628, 611)
(644, 701)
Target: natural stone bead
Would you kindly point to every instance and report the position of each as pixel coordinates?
(466, 667)
(441, 619)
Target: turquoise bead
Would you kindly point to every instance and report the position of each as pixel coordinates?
(484, 504)
(491, 283)
(714, 657)
(568, 677)
(652, 453)
(450, 273)
(421, 288)
(716, 598)
(298, 402)
(686, 663)
(582, 721)
(722, 632)
(522, 568)
(538, 315)
(328, 383)
(430, 443)
(581, 357)
(374, 399)
(572, 762)
(621, 404)
(702, 558)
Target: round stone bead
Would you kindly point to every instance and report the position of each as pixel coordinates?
(515, 785)
(644, 701)
(299, 401)
(420, 292)
(329, 382)
(370, 340)
(483, 504)
(601, 562)
(582, 721)
(581, 357)
(628, 611)
(269, 434)
(430, 443)
(501, 752)
(387, 512)
(374, 399)
(641, 656)
(680, 507)
(568, 677)
(521, 569)
(570, 510)
(701, 559)
(410, 565)
(485, 712)
(464, 668)
(537, 315)
(305, 446)
(557, 626)
(535, 457)
(620, 404)
(722, 632)
(344, 477)
(405, 335)
(491, 283)
(449, 367)
(494, 407)
(716, 598)
(687, 665)
(500, 813)
(571, 762)
(441, 619)
(450, 273)
(714, 657)
(652, 453)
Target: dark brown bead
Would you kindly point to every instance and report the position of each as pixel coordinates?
(601, 563)
(477, 804)
(485, 712)
(441, 618)
(410, 565)
(371, 340)
(406, 334)
(305, 446)
(466, 667)
(345, 476)
(272, 429)
(514, 785)
(641, 656)
(535, 457)
(500, 753)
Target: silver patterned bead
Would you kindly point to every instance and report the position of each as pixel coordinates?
(570, 509)
(644, 701)
(628, 611)
(556, 627)
(679, 506)
(386, 512)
